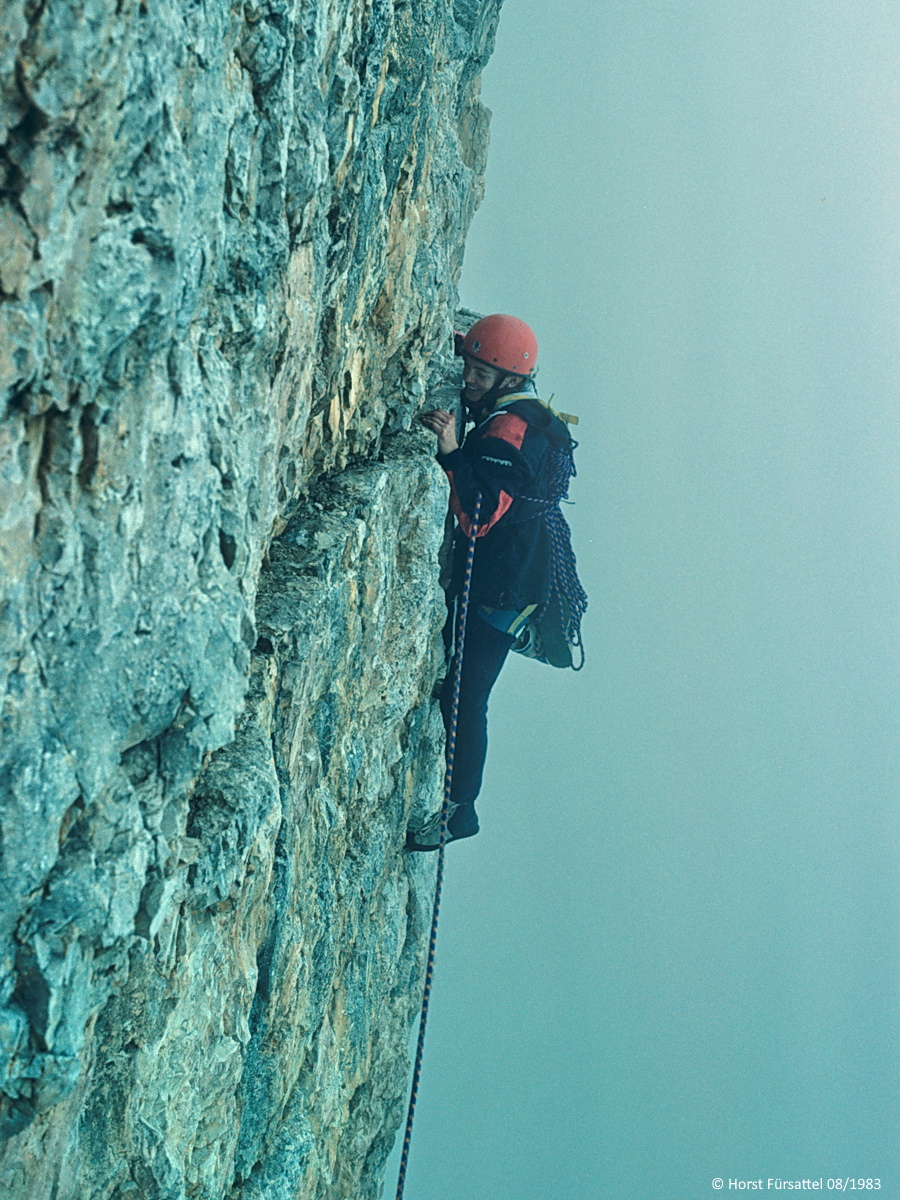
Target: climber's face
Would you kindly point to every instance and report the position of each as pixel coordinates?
(478, 378)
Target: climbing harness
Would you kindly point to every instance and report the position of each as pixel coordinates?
(448, 783)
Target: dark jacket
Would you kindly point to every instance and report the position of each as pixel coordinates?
(507, 458)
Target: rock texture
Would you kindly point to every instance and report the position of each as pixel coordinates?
(231, 235)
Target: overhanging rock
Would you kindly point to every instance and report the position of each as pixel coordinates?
(231, 240)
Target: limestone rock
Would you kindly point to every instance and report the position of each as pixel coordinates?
(231, 235)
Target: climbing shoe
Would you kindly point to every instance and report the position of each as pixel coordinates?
(461, 823)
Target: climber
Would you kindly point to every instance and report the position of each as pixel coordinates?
(507, 458)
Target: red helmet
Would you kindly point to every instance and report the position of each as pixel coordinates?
(503, 342)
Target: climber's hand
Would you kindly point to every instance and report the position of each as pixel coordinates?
(442, 423)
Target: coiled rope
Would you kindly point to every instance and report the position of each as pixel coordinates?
(564, 581)
(445, 814)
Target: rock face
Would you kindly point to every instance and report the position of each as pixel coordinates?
(231, 235)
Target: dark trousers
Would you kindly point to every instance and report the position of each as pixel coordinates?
(484, 654)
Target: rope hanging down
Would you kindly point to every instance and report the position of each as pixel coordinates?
(445, 813)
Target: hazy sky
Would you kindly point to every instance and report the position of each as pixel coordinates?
(672, 953)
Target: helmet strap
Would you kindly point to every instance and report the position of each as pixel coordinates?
(486, 403)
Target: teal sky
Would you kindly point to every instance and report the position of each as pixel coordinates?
(672, 953)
